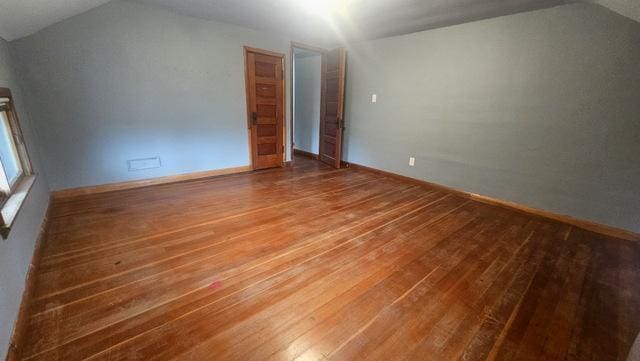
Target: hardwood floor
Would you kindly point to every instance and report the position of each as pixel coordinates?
(312, 263)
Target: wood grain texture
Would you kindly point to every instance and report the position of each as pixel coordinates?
(332, 78)
(74, 192)
(304, 153)
(580, 223)
(22, 319)
(313, 263)
(265, 88)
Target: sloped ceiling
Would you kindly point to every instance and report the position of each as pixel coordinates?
(350, 19)
(355, 19)
(628, 8)
(19, 18)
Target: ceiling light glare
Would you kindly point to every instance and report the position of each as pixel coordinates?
(322, 8)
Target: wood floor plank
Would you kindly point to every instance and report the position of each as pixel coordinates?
(224, 200)
(229, 241)
(222, 203)
(394, 253)
(456, 268)
(333, 329)
(314, 263)
(197, 275)
(350, 244)
(205, 235)
(454, 328)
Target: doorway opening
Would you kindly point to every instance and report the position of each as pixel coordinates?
(306, 92)
(317, 102)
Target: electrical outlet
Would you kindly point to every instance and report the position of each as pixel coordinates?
(374, 98)
(412, 161)
(143, 163)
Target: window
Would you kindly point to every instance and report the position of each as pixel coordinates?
(16, 177)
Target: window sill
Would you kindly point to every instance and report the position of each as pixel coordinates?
(12, 206)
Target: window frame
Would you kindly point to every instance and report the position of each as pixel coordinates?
(11, 203)
(4, 107)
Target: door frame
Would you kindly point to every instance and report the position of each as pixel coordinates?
(316, 49)
(247, 50)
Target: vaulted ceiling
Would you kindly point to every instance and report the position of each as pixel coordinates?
(350, 19)
(19, 18)
(628, 8)
(299, 19)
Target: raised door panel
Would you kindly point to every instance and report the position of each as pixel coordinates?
(332, 121)
(266, 109)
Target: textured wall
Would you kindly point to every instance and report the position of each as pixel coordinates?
(16, 251)
(307, 103)
(539, 108)
(126, 81)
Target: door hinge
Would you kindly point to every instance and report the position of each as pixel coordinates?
(283, 148)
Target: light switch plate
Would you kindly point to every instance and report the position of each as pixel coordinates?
(412, 161)
(374, 98)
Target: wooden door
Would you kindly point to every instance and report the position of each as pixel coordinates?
(265, 107)
(332, 106)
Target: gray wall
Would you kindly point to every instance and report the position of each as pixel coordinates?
(126, 81)
(539, 108)
(307, 103)
(16, 251)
